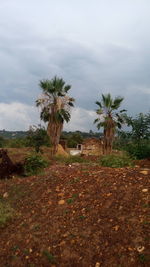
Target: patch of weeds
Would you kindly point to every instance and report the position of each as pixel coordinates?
(24, 224)
(6, 213)
(82, 217)
(72, 199)
(116, 161)
(146, 222)
(15, 248)
(65, 212)
(72, 235)
(143, 258)
(34, 164)
(36, 227)
(71, 159)
(26, 251)
(18, 191)
(86, 172)
(50, 257)
(147, 238)
(14, 257)
(76, 159)
(75, 196)
(146, 205)
(74, 180)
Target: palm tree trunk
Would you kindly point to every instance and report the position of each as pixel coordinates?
(54, 131)
(109, 132)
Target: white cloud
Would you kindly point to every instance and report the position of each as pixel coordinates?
(81, 119)
(17, 116)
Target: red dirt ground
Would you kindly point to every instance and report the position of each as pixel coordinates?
(78, 216)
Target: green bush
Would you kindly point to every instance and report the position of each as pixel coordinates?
(139, 150)
(37, 137)
(6, 213)
(34, 164)
(116, 161)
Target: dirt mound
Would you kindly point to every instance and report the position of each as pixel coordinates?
(84, 215)
(7, 167)
(61, 151)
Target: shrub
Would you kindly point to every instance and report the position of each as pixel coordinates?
(116, 161)
(6, 213)
(37, 137)
(34, 164)
(139, 150)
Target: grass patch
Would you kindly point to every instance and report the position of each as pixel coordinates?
(116, 161)
(72, 159)
(6, 213)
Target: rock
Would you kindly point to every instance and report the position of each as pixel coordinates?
(60, 194)
(140, 249)
(76, 164)
(5, 195)
(61, 202)
(144, 190)
(144, 172)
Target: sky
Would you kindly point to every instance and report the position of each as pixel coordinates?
(98, 46)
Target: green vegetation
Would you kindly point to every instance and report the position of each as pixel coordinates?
(139, 150)
(6, 213)
(72, 199)
(72, 159)
(116, 161)
(137, 141)
(34, 164)
(50, 257)
(37, 137)
(143, 258)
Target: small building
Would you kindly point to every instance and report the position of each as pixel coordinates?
(92, 147)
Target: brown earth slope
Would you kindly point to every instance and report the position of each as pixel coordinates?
(79, 215)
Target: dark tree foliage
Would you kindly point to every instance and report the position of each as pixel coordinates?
(137, 141)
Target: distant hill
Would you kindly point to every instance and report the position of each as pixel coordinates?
(23, 134)
(13, 134)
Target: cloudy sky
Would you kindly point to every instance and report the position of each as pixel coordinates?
(97, 46)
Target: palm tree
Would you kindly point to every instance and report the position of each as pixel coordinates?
(55, 107)
(109, 119)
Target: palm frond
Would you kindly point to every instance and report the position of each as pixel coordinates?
(98, 103)
(96, 120)
(117, 102)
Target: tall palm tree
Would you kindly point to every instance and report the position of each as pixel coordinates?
(109, 119)
(55, 107)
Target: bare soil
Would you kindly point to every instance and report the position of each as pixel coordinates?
(78, 215)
